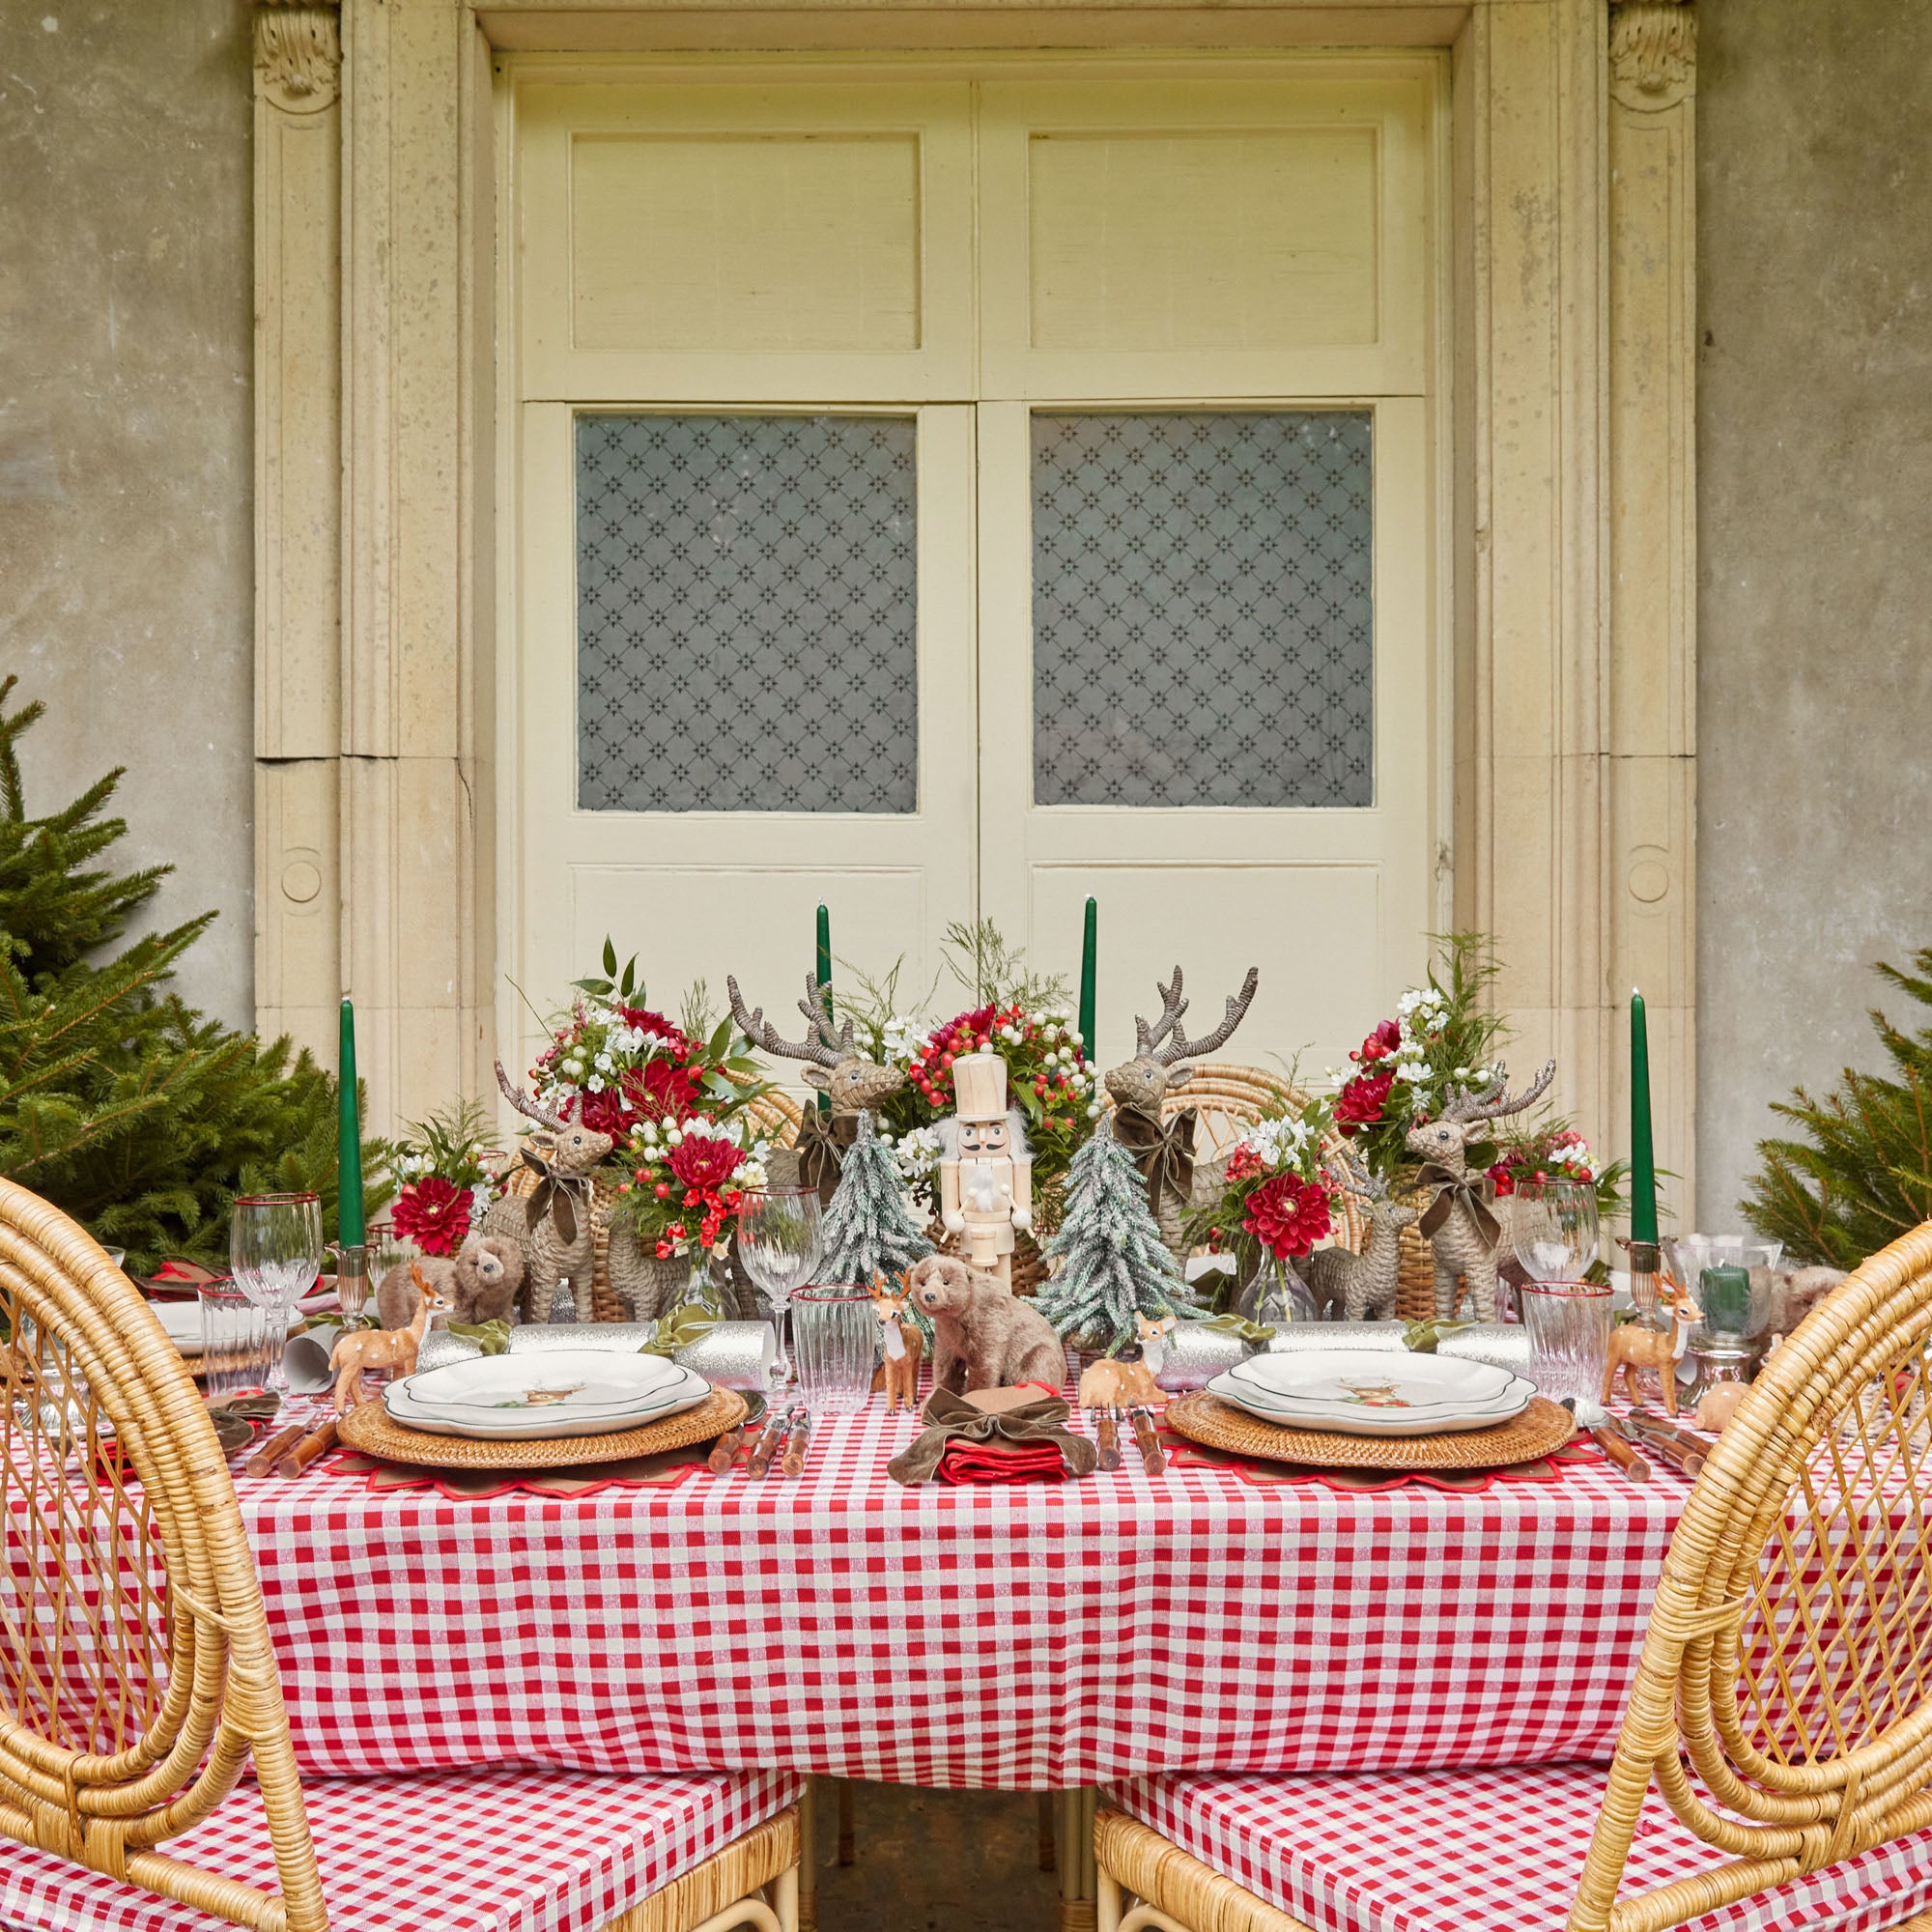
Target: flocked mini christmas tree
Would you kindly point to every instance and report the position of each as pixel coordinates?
(868, 1230)
(1113, 1264)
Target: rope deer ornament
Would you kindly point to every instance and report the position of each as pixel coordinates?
(558, 1234)
(1363, 1285)
(1164, 1151)
(1463, 1231)
(852, 1083)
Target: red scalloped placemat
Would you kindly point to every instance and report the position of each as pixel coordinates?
(1184, 1454)
(660, 1472)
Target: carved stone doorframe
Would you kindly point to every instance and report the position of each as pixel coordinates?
(1572, 459)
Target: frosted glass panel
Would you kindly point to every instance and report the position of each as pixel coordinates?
(746, 603)
(1203, 609)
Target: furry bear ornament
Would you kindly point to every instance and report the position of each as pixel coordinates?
(985, 1337)
(479, 1281)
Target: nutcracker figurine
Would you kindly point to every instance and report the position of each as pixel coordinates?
(986, 1173)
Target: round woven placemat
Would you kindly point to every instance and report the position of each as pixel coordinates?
(368, 1427)
(1205, 1418)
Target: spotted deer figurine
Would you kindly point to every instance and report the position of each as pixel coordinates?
(1164, 1149)
(906, 1346)
(1363, 1285)
(1635, 1347)
(558, 1226)
(1462, 1229)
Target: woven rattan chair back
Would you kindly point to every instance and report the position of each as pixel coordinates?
(135, 1672)
(1227, 1100)
(1784, 1703)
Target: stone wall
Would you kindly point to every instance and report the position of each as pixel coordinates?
(1814, 420)
(126, 436)
(125, 470)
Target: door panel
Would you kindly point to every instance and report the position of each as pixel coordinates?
(731, 886)
(1334, 901)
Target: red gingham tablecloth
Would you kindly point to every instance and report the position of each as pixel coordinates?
(1041, 1634)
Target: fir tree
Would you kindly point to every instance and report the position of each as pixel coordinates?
(867, 1229)
(1864, 1174)
(1113, 1264)
(118, 1103)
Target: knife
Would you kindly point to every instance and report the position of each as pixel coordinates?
(1151, 1459)
(309, 1450)
(1684, 1452)
(1621, 1454)
(1107, 1433)
(795, 1444)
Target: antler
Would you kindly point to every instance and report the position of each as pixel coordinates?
(828, 1049)
(1495, 1100)
(1370, 1186)
(1174, 1008)
(526, 1106)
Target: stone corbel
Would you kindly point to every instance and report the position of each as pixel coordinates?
(1653, 52)
(298, 54)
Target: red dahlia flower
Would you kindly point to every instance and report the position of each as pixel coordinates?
(703, 1162)
(1382, 1042)
(1287, 1216)
(1360, 1102)
(432, 1213)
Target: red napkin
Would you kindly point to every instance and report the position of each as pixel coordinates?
(1001, 1463)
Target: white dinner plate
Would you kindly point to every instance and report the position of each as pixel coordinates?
(532, 1398)
(182, 1322)
(1363, 1393)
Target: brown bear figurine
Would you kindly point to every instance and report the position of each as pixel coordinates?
(479, 1284)
(985, 1338)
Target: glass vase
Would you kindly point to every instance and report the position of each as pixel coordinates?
(1276, 1296)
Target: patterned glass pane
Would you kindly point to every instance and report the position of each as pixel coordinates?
(746, 636)
(1203, 610)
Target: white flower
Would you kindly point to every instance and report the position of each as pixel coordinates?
(1094, 1112)
(596, 1083)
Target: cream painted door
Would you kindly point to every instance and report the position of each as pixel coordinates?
(1139, 365)
(1206, 624)
(745, 597)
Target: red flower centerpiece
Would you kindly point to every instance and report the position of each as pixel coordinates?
(434, 1213)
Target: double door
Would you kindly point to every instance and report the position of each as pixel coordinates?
(958, 495)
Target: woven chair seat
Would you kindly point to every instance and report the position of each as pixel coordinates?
(1470, 1851)
(504, 1851)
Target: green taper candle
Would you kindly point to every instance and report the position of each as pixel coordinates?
(350, 1229)
(1088, 952)
(1643, 1155)
(825, 980)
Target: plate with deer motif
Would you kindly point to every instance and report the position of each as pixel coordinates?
(1371, 1393)
(530, 1398)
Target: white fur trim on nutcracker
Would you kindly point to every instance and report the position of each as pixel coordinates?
(979, 1086)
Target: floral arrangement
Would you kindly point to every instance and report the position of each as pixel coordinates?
(1275, 1196)
(631, 1066)
(1440, 1039)
(447, 1181)
(686, 1179)
(1554, 1150)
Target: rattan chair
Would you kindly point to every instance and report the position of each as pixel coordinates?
(138, 1683)
(1775, 1765)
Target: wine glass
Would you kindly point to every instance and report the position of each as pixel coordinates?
(779, 1243)
(274, 1252)
(1553, 1227)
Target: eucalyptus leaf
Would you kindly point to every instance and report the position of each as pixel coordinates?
(683, 1325)
(1238, 1325)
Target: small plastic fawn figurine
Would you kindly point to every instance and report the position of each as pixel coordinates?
(391, 1348)
(1634, 1347)
(1110, 1383)
(904, 1346)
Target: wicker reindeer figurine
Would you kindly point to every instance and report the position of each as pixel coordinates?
(559, 1231)
(1163, 1152)
(1462, 1232)
(1363, 1285)
(849, 1081)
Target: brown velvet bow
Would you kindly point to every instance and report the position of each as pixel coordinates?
(1450, 1188)
(950, 1418)
(556, 1195)
(1162, 1150)
(820, 1145)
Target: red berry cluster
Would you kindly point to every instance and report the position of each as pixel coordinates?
(1061, 1083)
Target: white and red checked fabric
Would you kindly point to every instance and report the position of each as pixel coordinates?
(500, 1851)
(1481, 1851)
(1035, 1635)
